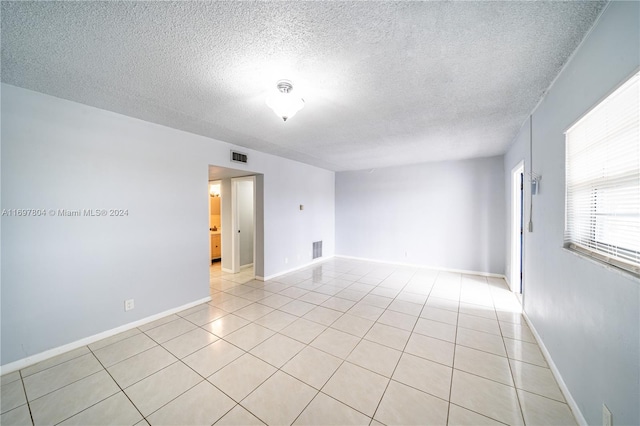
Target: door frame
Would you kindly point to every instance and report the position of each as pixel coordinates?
(235, 222)
(516, 278)
(219, 183)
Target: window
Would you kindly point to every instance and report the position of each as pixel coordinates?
(603, 180)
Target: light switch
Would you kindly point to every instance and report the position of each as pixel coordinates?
(301, 206)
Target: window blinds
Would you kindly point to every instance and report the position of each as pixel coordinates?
(603, 179)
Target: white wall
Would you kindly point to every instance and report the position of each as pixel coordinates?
(225, 233)
(587, 315)
(442, 214)
(284, 221)
(64, 279)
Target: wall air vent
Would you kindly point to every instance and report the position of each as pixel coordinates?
(317, 249)
(238, 157)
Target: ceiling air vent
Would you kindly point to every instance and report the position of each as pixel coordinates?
(238, 157)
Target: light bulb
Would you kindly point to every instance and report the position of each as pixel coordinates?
(283, 103)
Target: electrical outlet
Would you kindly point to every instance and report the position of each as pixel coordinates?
(128, 305)
(286, 260)
(607, 417)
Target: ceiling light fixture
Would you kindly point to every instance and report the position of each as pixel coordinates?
(282, 102)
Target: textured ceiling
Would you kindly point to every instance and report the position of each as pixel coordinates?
(385, 83)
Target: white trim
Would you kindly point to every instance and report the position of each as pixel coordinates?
(247, 266)
(235, 239)
(278, 274)
(517, 200)
(556, 373)
(508, 283)
(229, 271)
(34, 359)
(437, 268)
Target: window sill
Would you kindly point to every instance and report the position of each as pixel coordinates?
(622, 272)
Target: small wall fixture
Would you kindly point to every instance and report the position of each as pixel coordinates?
(535, 183)
(283, 102)
(214, 189)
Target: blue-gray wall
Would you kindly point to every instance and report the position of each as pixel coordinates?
(442, 214)
(587, 315)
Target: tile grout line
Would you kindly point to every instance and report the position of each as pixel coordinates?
(277, 369)
(455, 345)
(69, 384)
(205, 379)
(61, 387)
(510, 368)
(335, 371)
(24, 389)
(372, 417)
(117, 384)
(507, 357)
(54, 365)
(453, 369)
(341, 364)
(404, 347)
(406, 343)
(158, 344)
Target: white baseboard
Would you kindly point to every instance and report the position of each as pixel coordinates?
(323, 259)
(508, 282)
(556, 373)
(230, 271)
(514, 291)
(297, 268)
(415, 265)
(34, 359)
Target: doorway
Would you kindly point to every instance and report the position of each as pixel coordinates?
(517, 227)
(241, 198)
(215, 223)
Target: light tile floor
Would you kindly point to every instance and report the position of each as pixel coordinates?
(343, 342)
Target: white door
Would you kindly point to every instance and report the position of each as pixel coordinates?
(243, 222)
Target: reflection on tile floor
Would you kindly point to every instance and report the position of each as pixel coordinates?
(342, 342)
